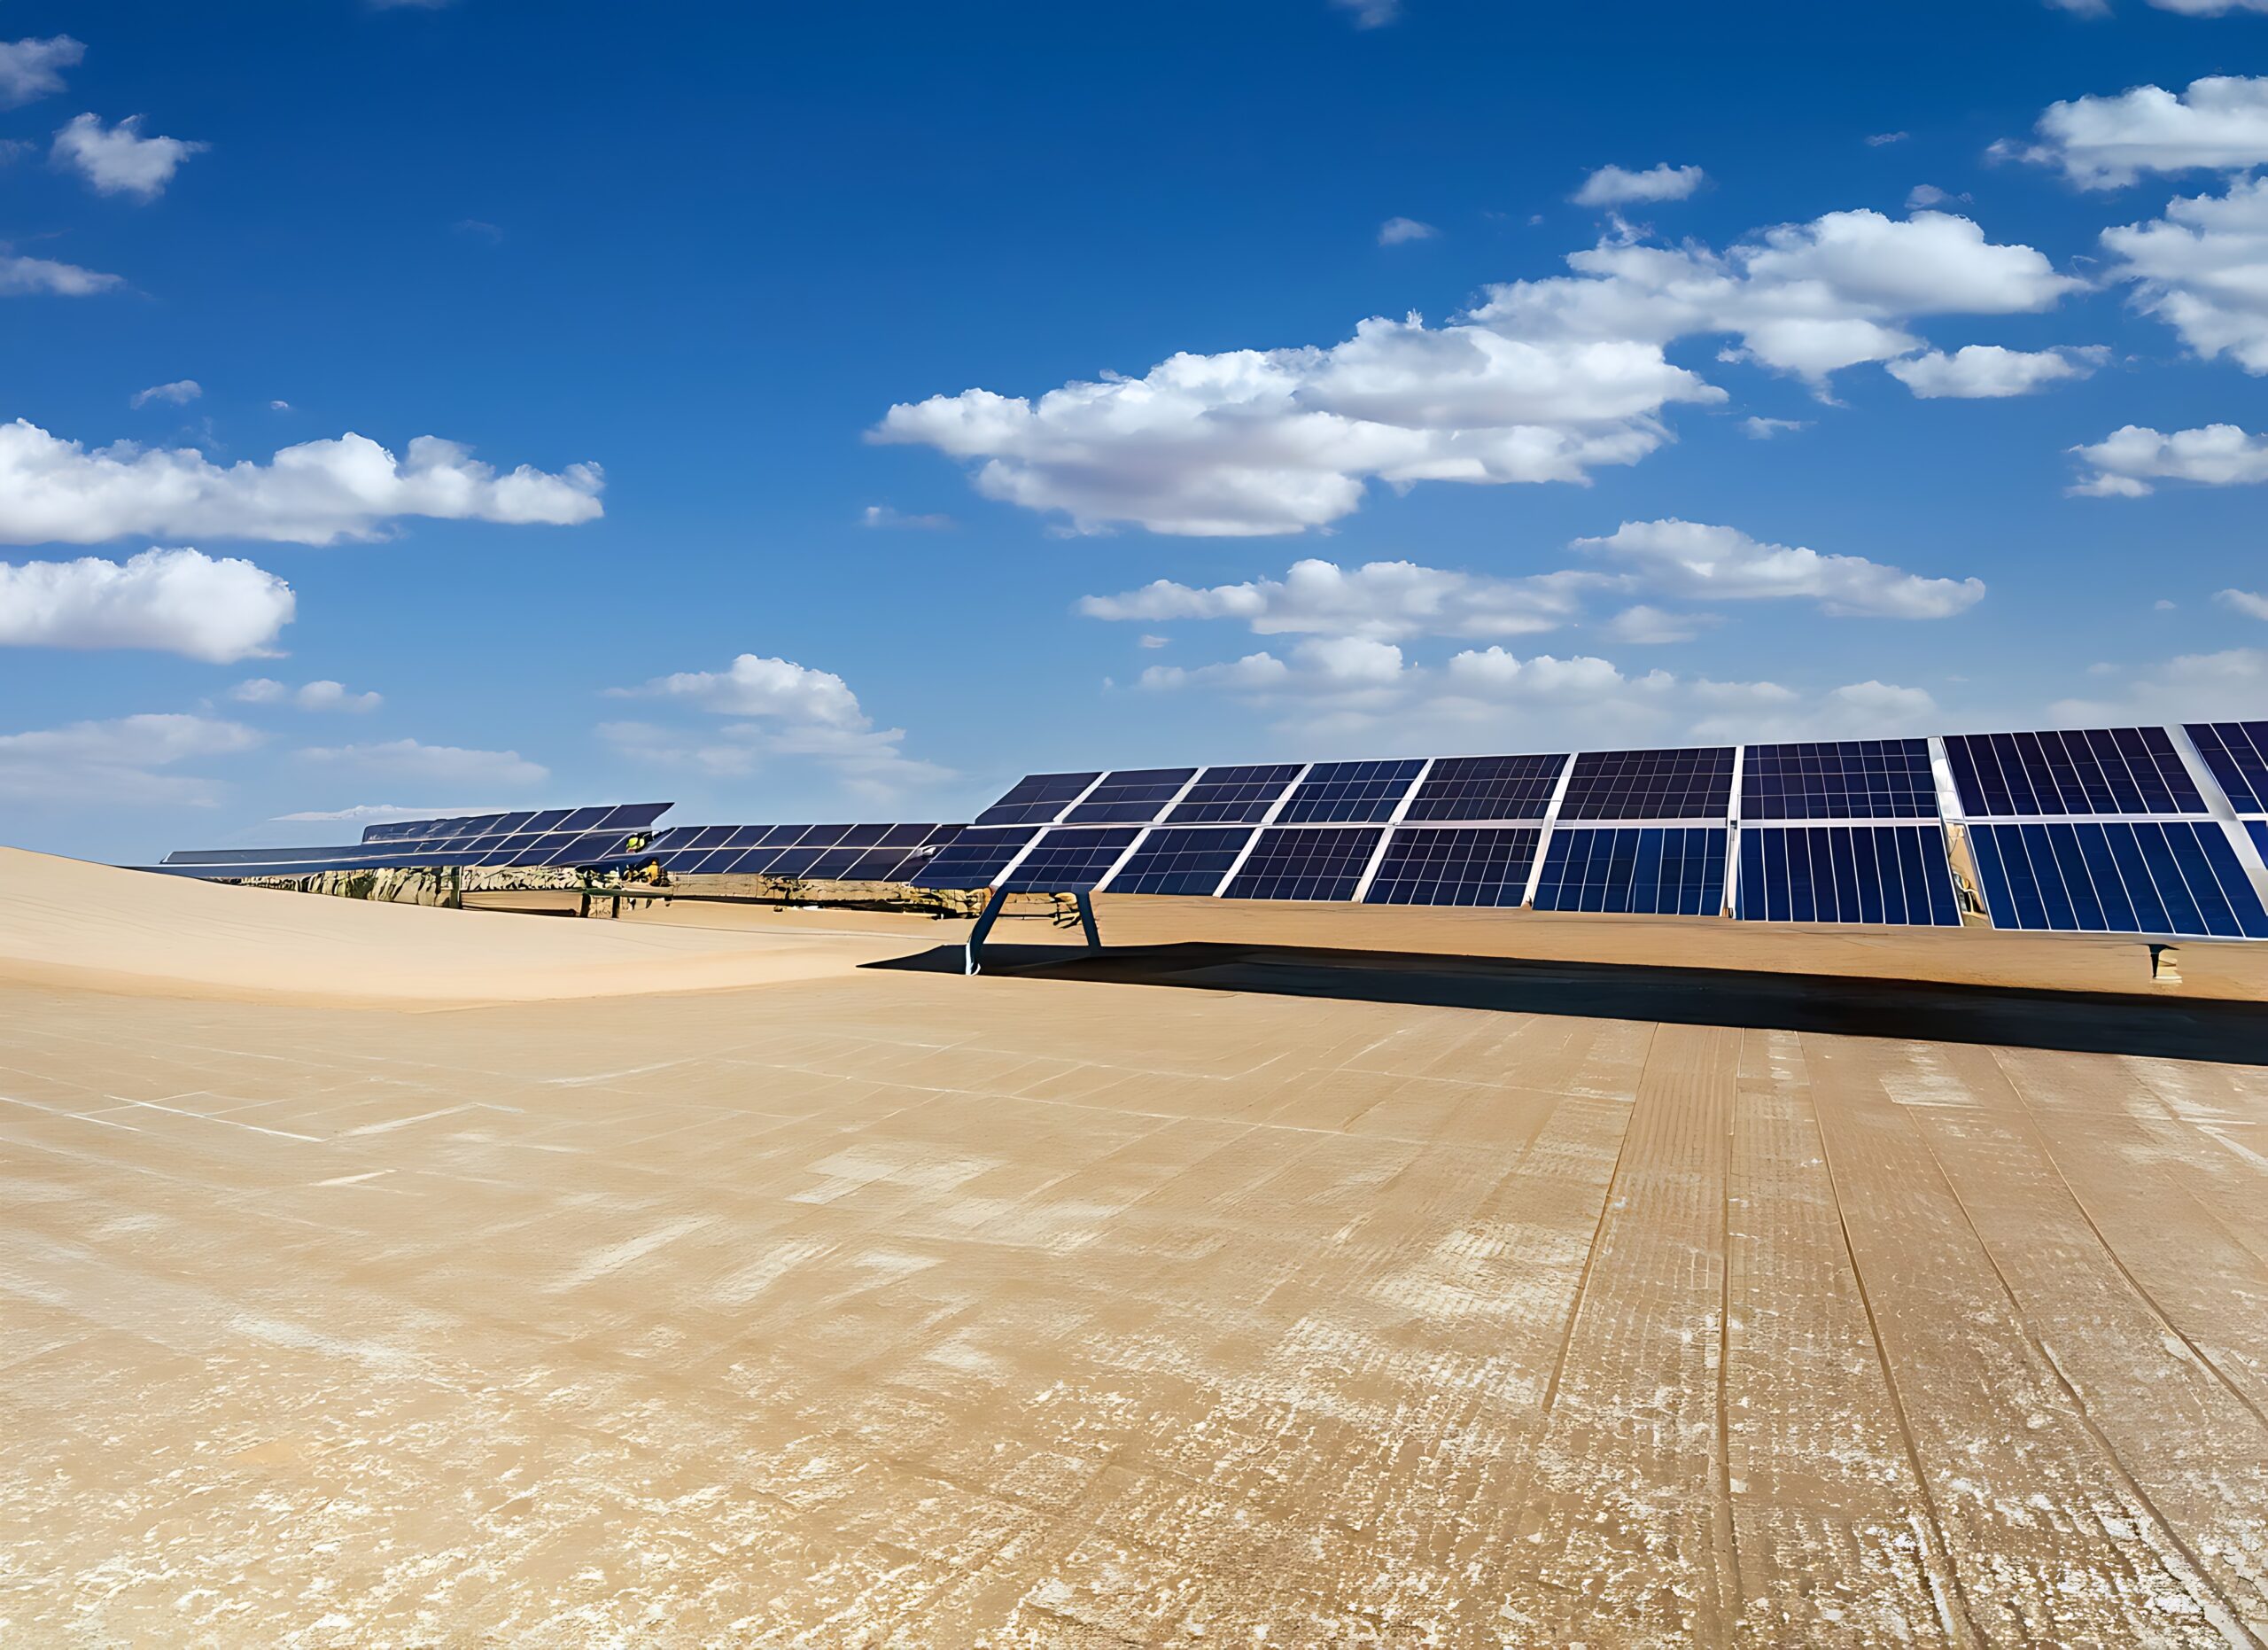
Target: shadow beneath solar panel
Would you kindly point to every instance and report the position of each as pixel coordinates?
(2071, 1022)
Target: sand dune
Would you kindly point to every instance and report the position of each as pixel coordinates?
(65, 922)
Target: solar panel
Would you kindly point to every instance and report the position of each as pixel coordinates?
(2104, 770)
(1651, 785)
(1854, 779)
(2237, 754)
(1131, 796)
(1233, 796)
(1070, 861)
(1181, 859)
(1887, 873)
(1349, 791)
(627, 817)
(1036, 798)
(2258, 831)
(1306, 864)
(1663, 871)
(1436, 867)
(975, 858)
(551, 838)
(1488, 788)
(2144, 876)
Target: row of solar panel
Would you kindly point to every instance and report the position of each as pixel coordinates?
(2122, 771)
(2176, 878)
(848, 853)
(589, 850)
(626, 817)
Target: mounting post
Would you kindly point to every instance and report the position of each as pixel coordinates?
(1085, 901)
(973, 962)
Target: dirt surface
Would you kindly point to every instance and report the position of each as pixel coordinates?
(882, 1307)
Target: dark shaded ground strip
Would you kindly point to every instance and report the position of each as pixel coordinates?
(2168, 1027)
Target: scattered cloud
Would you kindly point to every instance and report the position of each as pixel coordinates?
(1370, 13)
(1878, 140)
(53, 491)
(118, 761)
(1612, 186)
(1394, 231)
(25, 277)
(2220, 123)
(177, 601)
(313, 695)
(1922, 196)
(2162, 605)
(30, 69)
(2190, 686)
(2126, 463)
(2202, 269)
(279, 407)
(180, 392)
(782, 710)
(1687, 559)
(1649, 626)
(1547, 380)
(441, 764)
(2249, 603)
(1761, 429)
(117, 160)
(480, 229)
(375, 813)
(1152, 641)
(1379, 600)
(883, 516)
(1987, 372)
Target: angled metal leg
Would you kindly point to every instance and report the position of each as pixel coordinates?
(974, 961)
(1086, 905)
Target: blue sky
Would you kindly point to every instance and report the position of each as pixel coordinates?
(836, 412)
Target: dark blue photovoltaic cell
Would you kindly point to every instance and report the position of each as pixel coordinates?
(1893, 874)
(1181, 859)
(2237, 753)
(2173, 876)
(626, 817)
(857, 853)
(1651, 785)
(1348, 792)
(1666, 871)
(1233, 796)
(1129, 796)
(1312, 864)
(1853, 779)
(1070, 861)
(2105, 770)
(2258, 830)
(1487, 787)
(1434, 867)
(1036, 798)
(975, 858)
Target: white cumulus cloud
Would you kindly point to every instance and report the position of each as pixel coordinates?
(33, 68)
(1987, 372)
(1394, 231)
(1644, 625)
(117, 160)
(2202, 269)
(25, 277)
(54, 491)
(1381, 600)
(441, 764)
(2251, 603)
(1612, 186)
(2209, 687)
(1691, 559)
(313, 695)
(2128, 461)
(2220, 123)
(178, 601)
(180, 392)
(120, 761)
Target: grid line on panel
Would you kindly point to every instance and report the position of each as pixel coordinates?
(2087, 771)
(2118, 876)
(1233, 796)
(1069, 861)
(1181, 860)
(1655, 870)
(2237, 754)
(1312, 863)
(975, 857)
(1036, 798)
(1845, 779)
(1887, 873)
(1441, 866)
(1349, 792)
(1486, 788)
(1684, 784)
(1129, 796)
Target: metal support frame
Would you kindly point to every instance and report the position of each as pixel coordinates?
(996, 901)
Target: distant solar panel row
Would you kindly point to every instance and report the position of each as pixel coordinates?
(585, 838)
(846, 853)
(626, 817)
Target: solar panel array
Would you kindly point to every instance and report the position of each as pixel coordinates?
(585, 838)
(2105, 829)
(844, 854)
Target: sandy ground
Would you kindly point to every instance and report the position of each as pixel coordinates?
(890, 1308)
